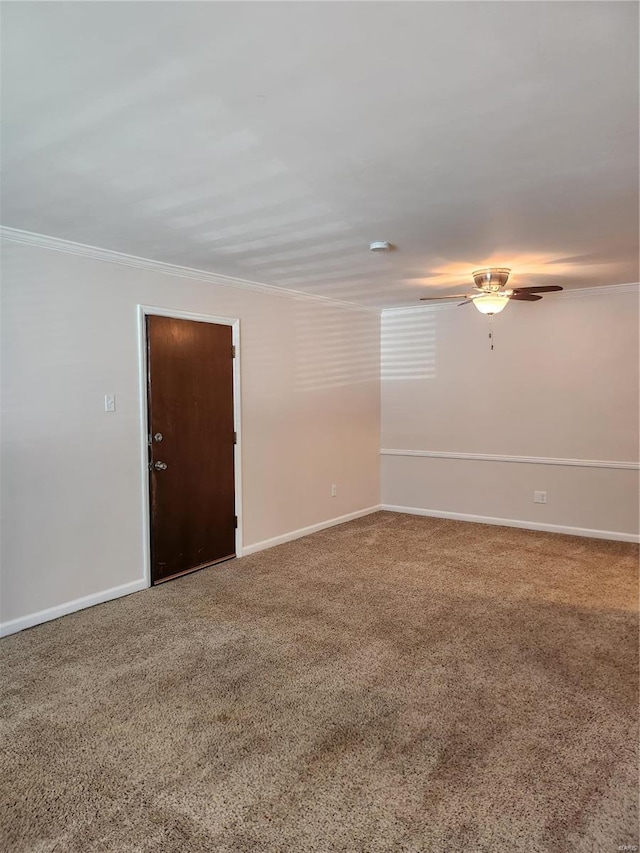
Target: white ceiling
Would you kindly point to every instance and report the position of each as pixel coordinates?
(274, 141)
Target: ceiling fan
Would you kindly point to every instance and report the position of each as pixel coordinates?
(492, 293)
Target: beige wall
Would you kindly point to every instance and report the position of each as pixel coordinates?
(561, 383)
(71, 474)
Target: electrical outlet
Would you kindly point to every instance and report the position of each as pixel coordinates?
(539, 497)
(334, 490)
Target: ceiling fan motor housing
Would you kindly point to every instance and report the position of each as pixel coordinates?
(491, 279)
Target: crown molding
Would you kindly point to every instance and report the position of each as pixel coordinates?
(420, 309)
(604, 290)
(57, 244)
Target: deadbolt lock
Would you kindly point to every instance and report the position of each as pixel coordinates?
(157, 436)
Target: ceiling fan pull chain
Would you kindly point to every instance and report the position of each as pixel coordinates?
(491, 331)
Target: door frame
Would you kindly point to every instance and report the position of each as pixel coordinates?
(145, 311)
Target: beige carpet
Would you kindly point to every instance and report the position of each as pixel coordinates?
(393, 684)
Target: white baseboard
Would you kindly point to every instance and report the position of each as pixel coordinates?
(305, 531)
(511, 522)
(41, 616)
(50, 613)
(15, 625)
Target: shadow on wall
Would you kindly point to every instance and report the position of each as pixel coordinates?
(408, 346)
(334, 348)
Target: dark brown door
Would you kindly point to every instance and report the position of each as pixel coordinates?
(191, 444)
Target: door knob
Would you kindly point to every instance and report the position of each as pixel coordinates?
(160, 466)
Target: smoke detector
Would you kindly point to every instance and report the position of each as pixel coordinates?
(380, 246)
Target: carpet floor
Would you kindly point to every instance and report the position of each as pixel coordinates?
(393, 684)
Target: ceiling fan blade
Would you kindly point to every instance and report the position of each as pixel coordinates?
(466, 302)
(455, 296)
(545, 288)
(525, 297)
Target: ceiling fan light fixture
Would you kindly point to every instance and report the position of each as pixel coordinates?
(492, 278)
(492, 303)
